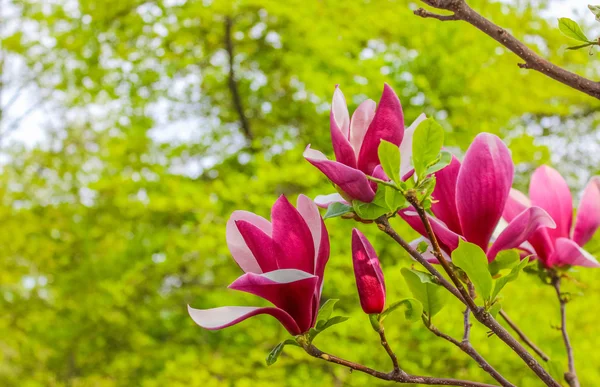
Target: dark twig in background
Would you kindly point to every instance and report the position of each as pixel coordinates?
(571, 375)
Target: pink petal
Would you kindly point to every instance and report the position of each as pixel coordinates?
(445, 195)
(225, 316)
(387, 124)
(517, 202)
(482, 188)
(236, 244)
(567, 252)
(263, 248)
(369, 277)
(447, 239)
(520, 229)
(406, 146)
(324, 201)
(359, 124)
(339, 126)
(352, 181)
(289, 289)
(550, 191)
(588, 214)
(292, 234)
(310, 213)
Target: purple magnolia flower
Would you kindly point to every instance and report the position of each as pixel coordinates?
(283, 261)
(369, 277)
(355, 143)
(470, 198)
(562, 245)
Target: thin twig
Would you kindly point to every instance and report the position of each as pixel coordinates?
(523, 337)
(571, 375)
(533, 61)
(232, 82)
(467, 348)
(467, 317)
(388, 349)
(399, 377)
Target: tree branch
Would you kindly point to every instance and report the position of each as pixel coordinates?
(571, 375)
(388, 349)
(533, 61)
(399, 377)
(467, 348)
(232, 82)
(523, 337)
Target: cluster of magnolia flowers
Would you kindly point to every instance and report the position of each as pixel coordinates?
(284, 259)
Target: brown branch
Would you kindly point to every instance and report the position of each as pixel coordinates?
(571, 375)
(388, 349)
(480, 313)
(533, 61)
(523, 337)
(467, 348)
(232, 82)
(399, 377)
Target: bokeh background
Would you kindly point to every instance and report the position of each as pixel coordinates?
(130, 130)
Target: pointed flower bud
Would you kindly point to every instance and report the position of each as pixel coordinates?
(369, 277)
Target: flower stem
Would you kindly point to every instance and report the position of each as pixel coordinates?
(571, 375)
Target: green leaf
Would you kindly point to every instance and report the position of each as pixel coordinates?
(473, 261)
(513, 275)
(275, 352)
(373, 210)
(431, 295)
(495, 309)
(326, 309)
(581, 46)
(427, 143)
(506, 259)
(595, 10)
(443, 160)
(394, 199)
(413, 311)
(571, 29)
(322, 325)
(422, 247)
(337, 209)
(389, 157)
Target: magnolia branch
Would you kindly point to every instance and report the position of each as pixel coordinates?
(479, 313)
(523, 337)
(571, 375)
(398, 377)
(388, 349)
(461, 11)
(467, 348)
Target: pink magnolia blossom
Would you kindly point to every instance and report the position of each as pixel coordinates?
(283, 261)
(562, 245)
(470, 198)
(355, 143)
(369, 277)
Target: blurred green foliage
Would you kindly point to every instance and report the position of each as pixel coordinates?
(117, 220)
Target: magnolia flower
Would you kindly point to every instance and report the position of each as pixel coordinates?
(283, 261)
(563, 245)
(355, 143)
(369, 277)
(470, 199)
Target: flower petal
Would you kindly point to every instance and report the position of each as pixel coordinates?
(406, 145)
(324, 201)
(362, 117)
(236, 244)
(517, 202)
(588, 213)
(550, 191)
(520, 229)
(225, 316)
(263, 248)
(445, 195)
(482, 188)
(288, 289)
(310, 213)
(350, 180)
(339, 126)
(567, 252)
(368, 273)
(447, 239)
(387, 124)
(292, 234)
